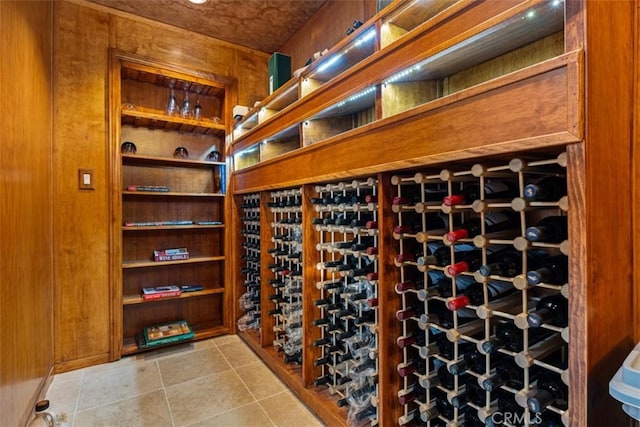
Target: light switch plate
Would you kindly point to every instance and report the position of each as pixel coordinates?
(85, 179)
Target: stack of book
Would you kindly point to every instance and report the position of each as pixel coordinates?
(161, 292)
(165, 333)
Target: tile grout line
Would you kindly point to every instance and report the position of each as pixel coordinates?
(255, 399)
(164, 393)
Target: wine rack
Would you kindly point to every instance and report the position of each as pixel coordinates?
(286, 267)
(250, 301)
(482, 259)
(347, 295)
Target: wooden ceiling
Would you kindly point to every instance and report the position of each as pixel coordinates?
(263, 25)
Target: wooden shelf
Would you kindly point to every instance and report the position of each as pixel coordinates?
(360, 150)
(169, 194)
(143, 264)
(165, 161)
(157, 120)
(137, 299)
(170, 227)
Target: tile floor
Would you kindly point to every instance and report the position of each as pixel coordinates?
(217, 382)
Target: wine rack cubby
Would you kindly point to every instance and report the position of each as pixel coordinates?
(482, 257)
(346, 226)
(285, 283)
(249, 301)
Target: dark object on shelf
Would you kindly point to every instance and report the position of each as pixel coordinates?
(356, 24)
(191, 288)
(213, 156)
(279, 69)
(181, 153)
(128, 147)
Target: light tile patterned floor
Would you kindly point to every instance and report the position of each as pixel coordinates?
(217, 382)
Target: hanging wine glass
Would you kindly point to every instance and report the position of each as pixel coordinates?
(172, 103)
(197, 110)
(186, 112)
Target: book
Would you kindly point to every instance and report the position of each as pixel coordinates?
(151, 188)
(168, 333)
(161, 292)
(191, 288)
(171, 254)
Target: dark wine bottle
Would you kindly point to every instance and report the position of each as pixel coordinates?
(472, 360)
(550, 390)
(472, 392)
(508, 373)
(549, 188)
(508, 263)
(554, 270)
(550, 229)
(493, 222)
(509, 337)
(552, 310)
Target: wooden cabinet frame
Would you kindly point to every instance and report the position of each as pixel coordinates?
(150, 118)
(581, 100)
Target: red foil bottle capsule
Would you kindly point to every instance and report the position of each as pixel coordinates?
(456, 235)
(458, 302)
(454, 199)
(457, 268)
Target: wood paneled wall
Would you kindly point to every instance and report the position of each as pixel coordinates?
(326, 28)
(84, 33)
(26, 234)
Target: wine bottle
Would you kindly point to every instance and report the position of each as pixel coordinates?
(554, 270)
(441, 255)
(493, 189)
(471, 360)
(410, 229)
(417, 338)
(416, 365)
(326, 379)
(508, 263)
(471, 418)
(549, 188)
(467, 261)
(402, 287)
(549, 390)
(508, 373)
(474, 294)
(411, 311)
(493, 222)
(552, 310)
(472, 392)
(509, 337)
(550, 229)
(411, 394)
(409, 255)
